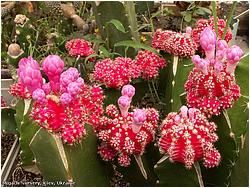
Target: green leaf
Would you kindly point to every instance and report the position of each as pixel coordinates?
(48, 158)
(136, 45)
(188, 16)
(203, 11)
(104, 51)
(86, 167)
(118, 25)
(8, 123)
(175, 175)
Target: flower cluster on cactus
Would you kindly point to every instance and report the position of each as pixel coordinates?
(126, 133)
(80, 48)
(149, 64)
(201, 24)
(18, 90)
(116, 73)
(65, 103)
(211, 86)
(177, 43)
(188, 136)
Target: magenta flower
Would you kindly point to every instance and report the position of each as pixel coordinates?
(29, 74)
(53, 66)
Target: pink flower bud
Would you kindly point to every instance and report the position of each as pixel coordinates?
(184, 111)
(177, 119)
(65, 98)
(218, 68)
(80, 81)
(139, 117)
(189, 30)
(46, 88)
(53, 66)
(29, 74)
(128, 90)
(208, 41)
(191, 112)
(39, 95)
(233, 56)
(221, 45)
(200, 64)
(73, 88)
(124, 104)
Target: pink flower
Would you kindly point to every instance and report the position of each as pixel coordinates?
(29, 74)
(208, 42)
(149, 64)
(211, 86)
(65, 98)
(39, 95)
(203, 23)
(53, 66)
(80, 47)
(190, 138)
(128, 90)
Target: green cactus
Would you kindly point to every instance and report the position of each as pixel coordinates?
(26, 129)
(76, 165)
(110, 33)
(175, 175)
(8, 123)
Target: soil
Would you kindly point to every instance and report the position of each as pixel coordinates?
(7, 140)
(21, 178)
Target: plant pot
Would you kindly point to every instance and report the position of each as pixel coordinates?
(6, 81)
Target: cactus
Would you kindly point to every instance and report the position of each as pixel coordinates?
(8, 123)
(109, 31)
(72, 165)
(175, 175)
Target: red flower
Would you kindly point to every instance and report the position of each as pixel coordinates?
(80, 47)
(203, 23)
(179, 44)
(188, 137)
(18, 90)
(149, 64)
(116, 73)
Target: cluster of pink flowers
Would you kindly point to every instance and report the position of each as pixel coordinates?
(149, 64)
(80, 47)
(203, 23)
(186, 44)
(64, 104)
(188, 136)
(179, 44)
(127, 133)
(211, 86)
(116, 73)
